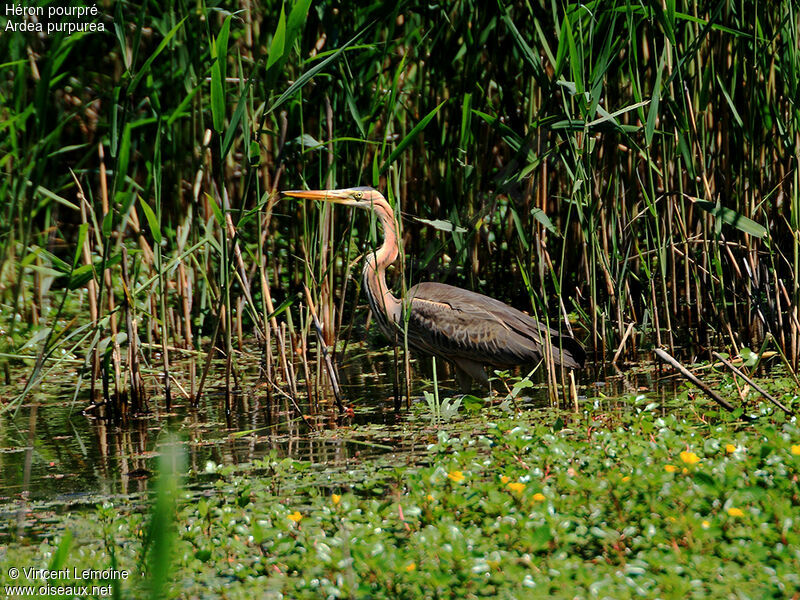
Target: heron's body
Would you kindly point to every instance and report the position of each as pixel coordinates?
(466, 328)
(472, 330)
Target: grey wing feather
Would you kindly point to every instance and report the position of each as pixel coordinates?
(456, 323)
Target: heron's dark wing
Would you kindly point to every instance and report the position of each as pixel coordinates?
(456, 323)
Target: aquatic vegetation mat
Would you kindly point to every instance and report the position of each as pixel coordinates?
(545, 504)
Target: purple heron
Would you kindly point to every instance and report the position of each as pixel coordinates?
(467, 329)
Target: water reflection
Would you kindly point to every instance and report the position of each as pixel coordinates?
(54, 458)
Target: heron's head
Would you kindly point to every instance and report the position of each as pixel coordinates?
(362, 197)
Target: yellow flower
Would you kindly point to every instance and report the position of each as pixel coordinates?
(456, 476)
(705, 524)
(735, 512)
(336, 498)
(538, 496)
(796, 449)
(411, 567)
(626, 478)
(295, 516)
(730, 448)
(690, 458)
(504, 479)
(430, 497)
(670, 468)
(516, 486)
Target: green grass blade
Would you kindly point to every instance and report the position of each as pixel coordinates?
(219, 52)
(307, 75)
(731, 217)
(148, 63)
(152, 220)
(277, 48)
(410, 137)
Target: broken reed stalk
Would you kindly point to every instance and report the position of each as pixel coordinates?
(308, 422)
(667, 358)
(326, 356)
(752, 383)
(622, 343)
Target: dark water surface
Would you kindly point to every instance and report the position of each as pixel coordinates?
(54, 458)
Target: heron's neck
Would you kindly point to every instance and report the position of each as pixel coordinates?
(382, 302)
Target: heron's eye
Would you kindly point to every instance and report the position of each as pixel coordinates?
(358, 195)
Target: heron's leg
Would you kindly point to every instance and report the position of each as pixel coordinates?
(464, 380)
(467, 370)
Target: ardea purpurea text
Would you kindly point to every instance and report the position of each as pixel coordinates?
(467, 329)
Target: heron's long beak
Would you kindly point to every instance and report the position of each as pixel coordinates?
(337, 196)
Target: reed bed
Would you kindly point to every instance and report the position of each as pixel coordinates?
(628, 168)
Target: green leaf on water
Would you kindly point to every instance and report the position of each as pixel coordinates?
(705, 479)
(472, 404)
(541, 536)
(750, 358)
(203, 554)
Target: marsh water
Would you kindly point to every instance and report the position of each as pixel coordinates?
(55, 458)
